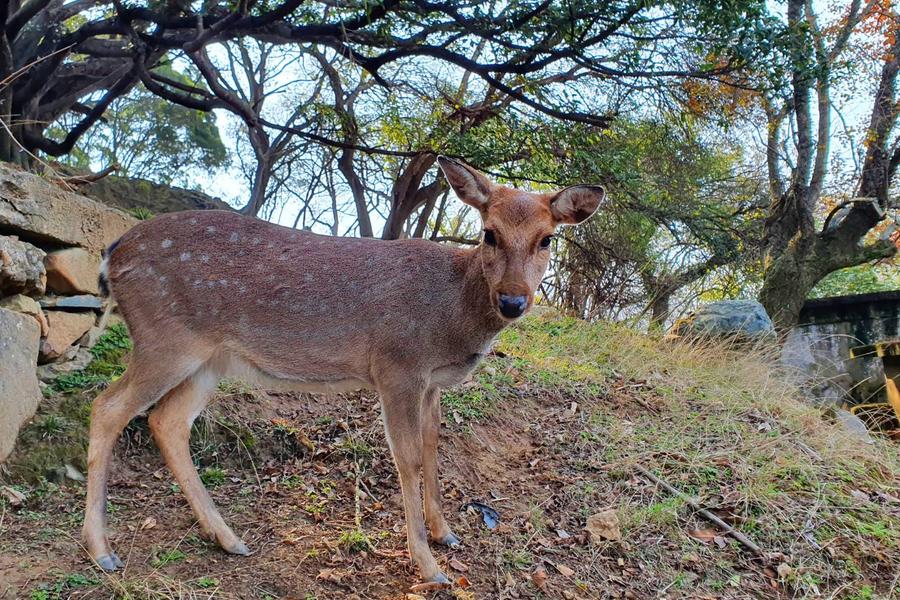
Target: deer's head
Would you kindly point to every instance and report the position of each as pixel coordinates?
(518, 229)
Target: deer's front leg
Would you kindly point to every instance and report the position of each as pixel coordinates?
(401, 408)
(431, 429)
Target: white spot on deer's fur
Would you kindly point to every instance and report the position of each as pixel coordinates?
(293, 236)
(204, 258)
(255, 241)
(210, 283)
(242, 289)
(166, 244)
(185, 256)
(269, 246)
(163, 278)
(193, 221)
(198, 283)
(223, 282)
(234, 237)
(210, 229)
(142, 246)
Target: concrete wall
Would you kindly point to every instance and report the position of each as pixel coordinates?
(818, 348)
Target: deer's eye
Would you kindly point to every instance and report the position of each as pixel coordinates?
(489, 238)
(545, 243)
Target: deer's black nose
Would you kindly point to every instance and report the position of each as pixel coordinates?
(512, 306)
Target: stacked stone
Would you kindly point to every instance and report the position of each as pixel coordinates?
(50, 244)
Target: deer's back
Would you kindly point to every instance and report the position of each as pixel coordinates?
(289, 302)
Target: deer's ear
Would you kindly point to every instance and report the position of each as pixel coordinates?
(470, 185)
(576, 204)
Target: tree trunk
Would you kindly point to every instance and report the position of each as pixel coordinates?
(7, 144)
(260, 183)
(345, 166)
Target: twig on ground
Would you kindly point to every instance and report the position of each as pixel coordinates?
(725, 527)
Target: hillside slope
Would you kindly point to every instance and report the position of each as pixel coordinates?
(566, 420)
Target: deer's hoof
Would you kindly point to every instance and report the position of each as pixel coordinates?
(450, 540)
(441, 579)
(110, 562)
(238, 547)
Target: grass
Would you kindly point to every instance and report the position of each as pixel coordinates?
(355, 540)
(722, 426)
(108, 362)
(167, 557)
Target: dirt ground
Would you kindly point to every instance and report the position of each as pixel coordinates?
(293, 510)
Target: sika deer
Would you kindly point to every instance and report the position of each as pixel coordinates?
(212, 294)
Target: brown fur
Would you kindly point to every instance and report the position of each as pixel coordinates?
(213, 294)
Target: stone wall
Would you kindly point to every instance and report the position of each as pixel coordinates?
(819, 346)
(50, 244)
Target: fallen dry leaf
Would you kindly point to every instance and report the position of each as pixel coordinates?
(462, 582)
(563, 569)
(510, 582)
(149, 523)
(414, 597)
(784, 570)
(331, 575)
(539, 577)
(604, 526)
(458, 565)
(704, 535)
(14, 496)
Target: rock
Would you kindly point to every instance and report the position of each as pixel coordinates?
(81, 358)
(83, 302)
(72, 271)
(65, 329)
(20, 336)
(37, 210)
(21, 303)
(853, 425)
(130, 194)
(604, 527)
(741, 320)
(89, 340)
(21, 267)
(73, 473)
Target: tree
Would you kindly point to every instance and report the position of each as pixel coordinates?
(798, 253)
(149, 138)
(681, 207)
(59, 57)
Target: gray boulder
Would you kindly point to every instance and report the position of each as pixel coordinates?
(79, 360)
(37, 210)
(20, 336)
(731, 319)
(21, 268)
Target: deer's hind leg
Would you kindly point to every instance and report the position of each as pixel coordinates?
(170, 423)
(144, 382)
